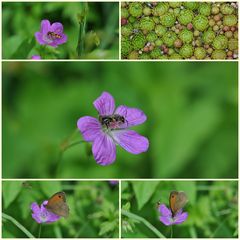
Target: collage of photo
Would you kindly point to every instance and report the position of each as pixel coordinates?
(119, 119)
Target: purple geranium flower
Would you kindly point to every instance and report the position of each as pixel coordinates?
(167, 218)
(111, 129)
(41, 214)
(113, 182)
(36, 57)
(51, 35)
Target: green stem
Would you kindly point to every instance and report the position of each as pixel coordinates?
(17, 224)
(144, 221)
(171, 235)
(82, 19)
(40, 230)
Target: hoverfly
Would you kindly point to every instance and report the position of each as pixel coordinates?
(53, 35)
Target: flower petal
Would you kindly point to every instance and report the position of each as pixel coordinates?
(35, 208)
(39, 38)
(61, 40)
(89, 127)
(133, 116)
(56, 28)
(105, 104)
(104, 150)
(166, 220)
(180, 218)
(131, 141)
(164, 211)
(37, 218)
(45, 26)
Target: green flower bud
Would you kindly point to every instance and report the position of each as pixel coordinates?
(230, 20)
(144, 56)
(200, 22)
(171, 51)
(135, 9)
(219, 54)
(191, 5)
(158, 42)
(163, 57)
(233, 44)
(160, 9)
(156, 20)
(175, 4)
(208, 36)
(147, 24)
(124, 13)
(186, 51)
(133, 55)
(205, 9)
(177, 11)
(168, 20)
(185, 16)
(138, 41)
(226, 9)
(220, 42)
(132, 19)
(186, 36)
(151, 37)
(127, 30)
(169, 38)
(200, 53)
(155, 53)
(175, 56)
(160, 30)
(147, 11)
(126, 47)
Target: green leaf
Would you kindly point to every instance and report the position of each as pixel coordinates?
(10, 191)
(144, 191)
(24, 49)
(50, 188)
(124, 185)
(106, 227)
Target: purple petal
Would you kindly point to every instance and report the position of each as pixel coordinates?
(39, 38)
(56, 28)
(164, 211)
(35, 208)
(89, 127)
(166, 220)
(133, 116)
(105, 104)
(131, 141)
(36, 57)
(180, 218)
(104, 149)
(61, 40)
(37, 218)
(45, 27)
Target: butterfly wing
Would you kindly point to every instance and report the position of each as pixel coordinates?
(177, 201)
(57, 204)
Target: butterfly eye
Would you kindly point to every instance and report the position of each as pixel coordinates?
(172, 196)
(59, 196)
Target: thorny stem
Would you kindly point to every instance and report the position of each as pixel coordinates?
(82, 20)
(40, 230)
(144, 221)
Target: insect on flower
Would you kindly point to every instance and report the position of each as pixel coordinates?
(111, 129)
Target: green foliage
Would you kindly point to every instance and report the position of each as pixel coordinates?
(91, 28)
(93, 209)
(212, 209)
(191, 122)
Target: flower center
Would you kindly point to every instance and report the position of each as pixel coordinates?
(112, 122)
(43, 216)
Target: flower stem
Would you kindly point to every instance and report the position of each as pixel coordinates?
(17, 224)
(144, 221)
(171, 235)
(82, 19)
(40, 230)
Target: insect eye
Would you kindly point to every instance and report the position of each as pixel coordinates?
(172, 196)
(59, 196)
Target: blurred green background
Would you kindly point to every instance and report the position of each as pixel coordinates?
(212, 208)
(20, 21)
(191, 125)
(93, 209)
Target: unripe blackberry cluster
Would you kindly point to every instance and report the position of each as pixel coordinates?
(179, 30)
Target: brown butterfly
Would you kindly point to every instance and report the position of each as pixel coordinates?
(57, 204)
(177, 200)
